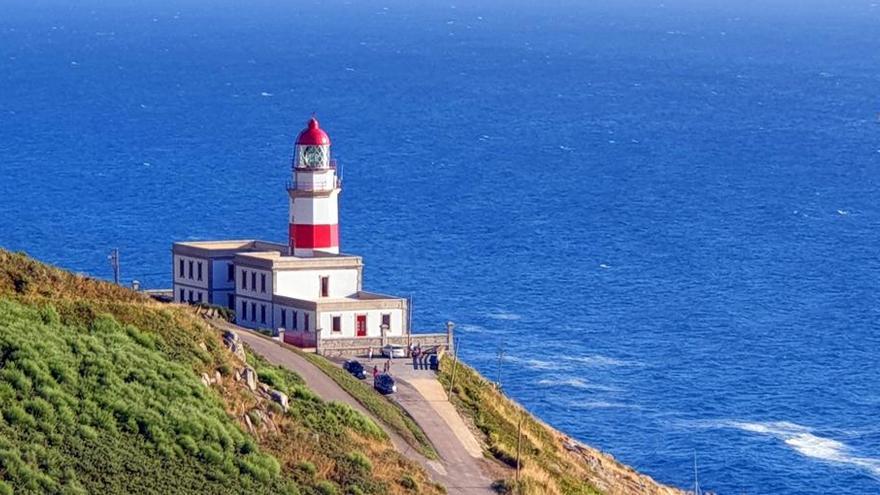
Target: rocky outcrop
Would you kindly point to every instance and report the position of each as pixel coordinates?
(280, 398)
(234, 344)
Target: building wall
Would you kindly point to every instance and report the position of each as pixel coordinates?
(290, 312)
(191, 279)
(186, 294)
(306, 284)
(349, 325)
(246, 278)
(220, 274)
(258, 313)
(220, 297)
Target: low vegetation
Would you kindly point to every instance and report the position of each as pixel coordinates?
(387, 411)
(100, 392)
(546, 467)
(86, 409)
(551, 463)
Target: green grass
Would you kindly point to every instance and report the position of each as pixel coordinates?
(326, 418)
(387, 411)
(98, 408)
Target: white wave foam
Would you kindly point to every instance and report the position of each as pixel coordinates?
(599, 360)
(578, 383)
(504, 315)
(806, 442)
(601, 404)
(535, 364)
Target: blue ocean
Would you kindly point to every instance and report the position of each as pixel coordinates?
(655, 223)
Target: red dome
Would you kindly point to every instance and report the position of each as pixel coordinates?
(313, 135)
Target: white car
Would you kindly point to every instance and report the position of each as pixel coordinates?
(394, 351)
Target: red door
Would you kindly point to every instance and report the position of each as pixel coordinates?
(361, 325)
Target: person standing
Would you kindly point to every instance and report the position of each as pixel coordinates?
(375, 372)
(371, 354)
(415, 358)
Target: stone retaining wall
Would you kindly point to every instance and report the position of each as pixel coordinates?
(360, 346)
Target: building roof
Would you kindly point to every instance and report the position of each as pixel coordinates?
(360, 300)
(274, 260)
(226, 248)
(313, 135)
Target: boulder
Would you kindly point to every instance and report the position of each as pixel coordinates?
(233, 343)
(250, 378)
(280, 398)
(205, 380)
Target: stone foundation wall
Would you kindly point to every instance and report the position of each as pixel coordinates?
(360, 346)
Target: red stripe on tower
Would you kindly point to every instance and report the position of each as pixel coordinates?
(315, 236)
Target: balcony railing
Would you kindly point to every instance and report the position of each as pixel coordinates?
(315, 186)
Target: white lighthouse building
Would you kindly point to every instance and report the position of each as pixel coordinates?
(307, 287)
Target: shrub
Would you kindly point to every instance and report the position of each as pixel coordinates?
(409, 483)
(359, 461)
(307, 468)
(354, 490)
(325, 487)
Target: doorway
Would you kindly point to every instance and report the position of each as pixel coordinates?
(361, 325)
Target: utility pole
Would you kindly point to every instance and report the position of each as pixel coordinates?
(519, 450)
(454, 367)
(114, 262)
(500, 363)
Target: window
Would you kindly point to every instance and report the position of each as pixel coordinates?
(386, 320)
(263, 283)
(199, 266)
(244, 279)
(180, 268)
(230, 301)
(283, 318)
(190, 296)
(230, 272)
(253, 311)
(243, 311)
(294, 320)
(190, 270)
(182, 295)
(254, 281)
(200, 296)
(263, 314)
(337, 323)
(325, 286)
(306, 322)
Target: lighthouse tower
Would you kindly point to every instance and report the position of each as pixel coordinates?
(314, 195)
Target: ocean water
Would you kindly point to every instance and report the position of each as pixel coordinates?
(662, 216)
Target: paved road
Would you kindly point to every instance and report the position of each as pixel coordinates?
(461, 456)
(458, 470)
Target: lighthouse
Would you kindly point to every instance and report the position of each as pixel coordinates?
(314, 195)
(304, 286)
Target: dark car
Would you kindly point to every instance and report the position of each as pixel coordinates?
(385, 384)
(355, 368)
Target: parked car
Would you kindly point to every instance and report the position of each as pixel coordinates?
(355, 368)
(385, 384)
(394, 351)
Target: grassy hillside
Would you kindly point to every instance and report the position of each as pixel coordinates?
(100, 392)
